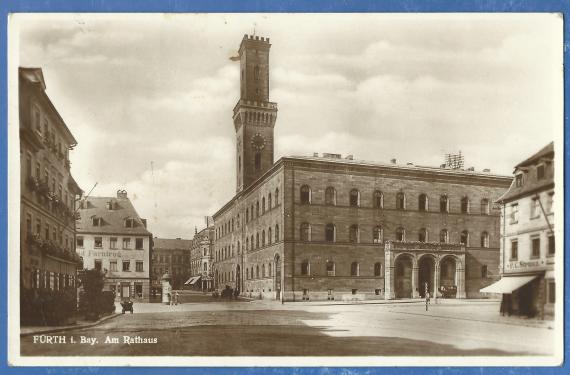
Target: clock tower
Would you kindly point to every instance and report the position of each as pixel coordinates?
(254, 115)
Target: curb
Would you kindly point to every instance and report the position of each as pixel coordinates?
(68, 328)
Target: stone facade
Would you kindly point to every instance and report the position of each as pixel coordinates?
(172, 256)
(48, 191)
(201, 259)
(321, 227)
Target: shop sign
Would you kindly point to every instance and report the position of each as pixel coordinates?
(523, 265)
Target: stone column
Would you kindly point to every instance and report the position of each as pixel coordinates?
(415, 276)
(389, 275)
(460, 276)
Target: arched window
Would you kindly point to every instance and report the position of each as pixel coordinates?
(269, 201)
(400, 201)
(238, 248)
(247, 215)
(423, 202)
(378, 199)
(354, 198)
(378, 269)
(330, 196)
(465, 205)
(353, 233)
(256, 73)
(464, 238)
(354, 269)
(443, 204)
(263, 205)
(269, 268)
(305, 194)
(330, 233)
(423, 235)
(269, 238)
(257, 240)
(276, 197)
(400, 234)
(263, 270)
(377, 234)
(257, 209)
(305, 268)
(484, 239)
(257, 161)
(263, 238)
(444, 236)
(257, 271)
(252, 243)
(305, 232)
(247, 244)
(330, 268)
(484, 206)
(252, 212)
(276, 232)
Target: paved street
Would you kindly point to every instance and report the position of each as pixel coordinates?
(267, 328)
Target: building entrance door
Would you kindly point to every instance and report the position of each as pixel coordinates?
(403, 279)
(425, 275)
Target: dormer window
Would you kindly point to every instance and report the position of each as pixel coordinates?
(129, 223)
(97, 221)
(518, 180)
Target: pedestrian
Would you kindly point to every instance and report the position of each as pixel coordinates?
(176, 296)
(427, 300)
(171, 295)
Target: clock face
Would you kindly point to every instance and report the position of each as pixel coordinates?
(258, 142)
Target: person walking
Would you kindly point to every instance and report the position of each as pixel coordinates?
(427, 295)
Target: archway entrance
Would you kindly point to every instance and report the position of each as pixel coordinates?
(426, 269)
(403, 279)
(277, 280)
(238, 279)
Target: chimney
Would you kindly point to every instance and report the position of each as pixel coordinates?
(122, 194)
(393, 161)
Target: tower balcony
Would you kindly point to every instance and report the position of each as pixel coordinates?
(254, 104)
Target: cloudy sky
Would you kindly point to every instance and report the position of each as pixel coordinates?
(158, 90)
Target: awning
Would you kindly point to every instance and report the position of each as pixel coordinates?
(192, 280)
(508, 284)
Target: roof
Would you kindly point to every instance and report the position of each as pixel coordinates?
(113, 221)
(531, 184)
(35, 76)
(171, 244)
(546, 151)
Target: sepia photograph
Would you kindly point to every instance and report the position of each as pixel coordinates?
(264, 189)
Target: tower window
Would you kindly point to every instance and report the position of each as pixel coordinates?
(257, 161)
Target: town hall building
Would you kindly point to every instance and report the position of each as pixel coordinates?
(328, 227)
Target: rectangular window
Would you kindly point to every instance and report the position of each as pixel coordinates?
(551, 245)
(519, 180)
(129, 223)
(540, 172)
(140, 266)
(535, 247)
(113, 243)
(126, 243)
(98, 264)
(80, 241)
(98, 242)
(534, 208)
(139, 243)
(126, 266)
(96, 221)
(484, 272)
(38, 226)
(549, 202)
(514, 250)
(514, 213)
(113, 266)
(551, 292)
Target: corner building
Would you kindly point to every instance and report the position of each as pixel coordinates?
(48, 190)
(324, 227)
